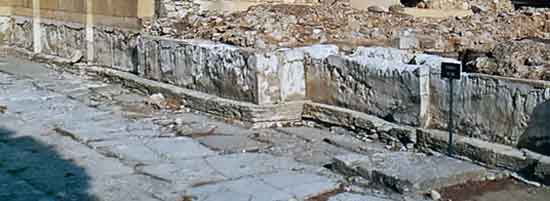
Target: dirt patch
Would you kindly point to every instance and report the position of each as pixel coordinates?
(506, 189)
(327, 195)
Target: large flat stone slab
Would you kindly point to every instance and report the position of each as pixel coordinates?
(355, 197)
(153, 150)
(410, 172)
(266, 188)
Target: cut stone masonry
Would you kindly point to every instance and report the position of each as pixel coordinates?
(376, 90)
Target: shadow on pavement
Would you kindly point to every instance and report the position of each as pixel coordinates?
(27, 164)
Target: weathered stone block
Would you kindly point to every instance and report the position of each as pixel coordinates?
(491, 154)
(6, 24)
(124, 46)
(103, 48)
(62, 39)
(21, 34)
(491, 108)
(542, 170)
(411, 172)
(369, 83)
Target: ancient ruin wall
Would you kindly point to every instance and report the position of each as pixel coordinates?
(491, 108)
(386, 83)
(217, 69)
(395, 86)
(375, 81)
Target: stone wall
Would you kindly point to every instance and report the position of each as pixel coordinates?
(226, 71)
(114, 48)
(63, 39)
(398, 86)
(377, 81)
(20, 33)
(217, 69)
(491, 108)
(406, 88)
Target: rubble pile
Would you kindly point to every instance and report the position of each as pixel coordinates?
(481, 5)
(271, 26)
(528, 58)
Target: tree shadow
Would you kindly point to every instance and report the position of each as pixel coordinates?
(33, 171)
(537, 135)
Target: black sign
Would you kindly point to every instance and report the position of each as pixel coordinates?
(451, 70)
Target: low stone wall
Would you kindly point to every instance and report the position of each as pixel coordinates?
(394, 85)
(228, 71)
(65, 40)
(377, 81)
(217, 69)
(213, 68)
(114, 48)
(406, 88)
(494, 109)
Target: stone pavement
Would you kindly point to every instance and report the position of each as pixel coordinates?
(69, 136)
(411, 172)
(64, 137)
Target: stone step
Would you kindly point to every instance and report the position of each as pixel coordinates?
(407, 172)
(536, 166)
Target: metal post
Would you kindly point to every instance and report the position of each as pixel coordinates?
(450, 126)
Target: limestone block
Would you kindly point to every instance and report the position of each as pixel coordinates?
(405, 39)
(490, 108)
(62, 39)
(5, 28)
(213, 68)
(368, 83)
(21, 35)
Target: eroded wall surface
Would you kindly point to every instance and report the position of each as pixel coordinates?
(377, 81)
(491, 108)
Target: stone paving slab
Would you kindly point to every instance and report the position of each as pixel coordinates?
(110, 157)
(153, 150)
(232, 143)
(184, 173)
(281, 173)
(355, 197)
(246, 164)
(410, 172)
(256, 189)
(318, 153)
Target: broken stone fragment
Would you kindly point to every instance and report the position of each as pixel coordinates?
(435, 195)
(157, 100)
(397, 8)
(376, 9)
(478, 9)
(405, 39)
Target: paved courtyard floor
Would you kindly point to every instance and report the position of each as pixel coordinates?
(71, 137)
